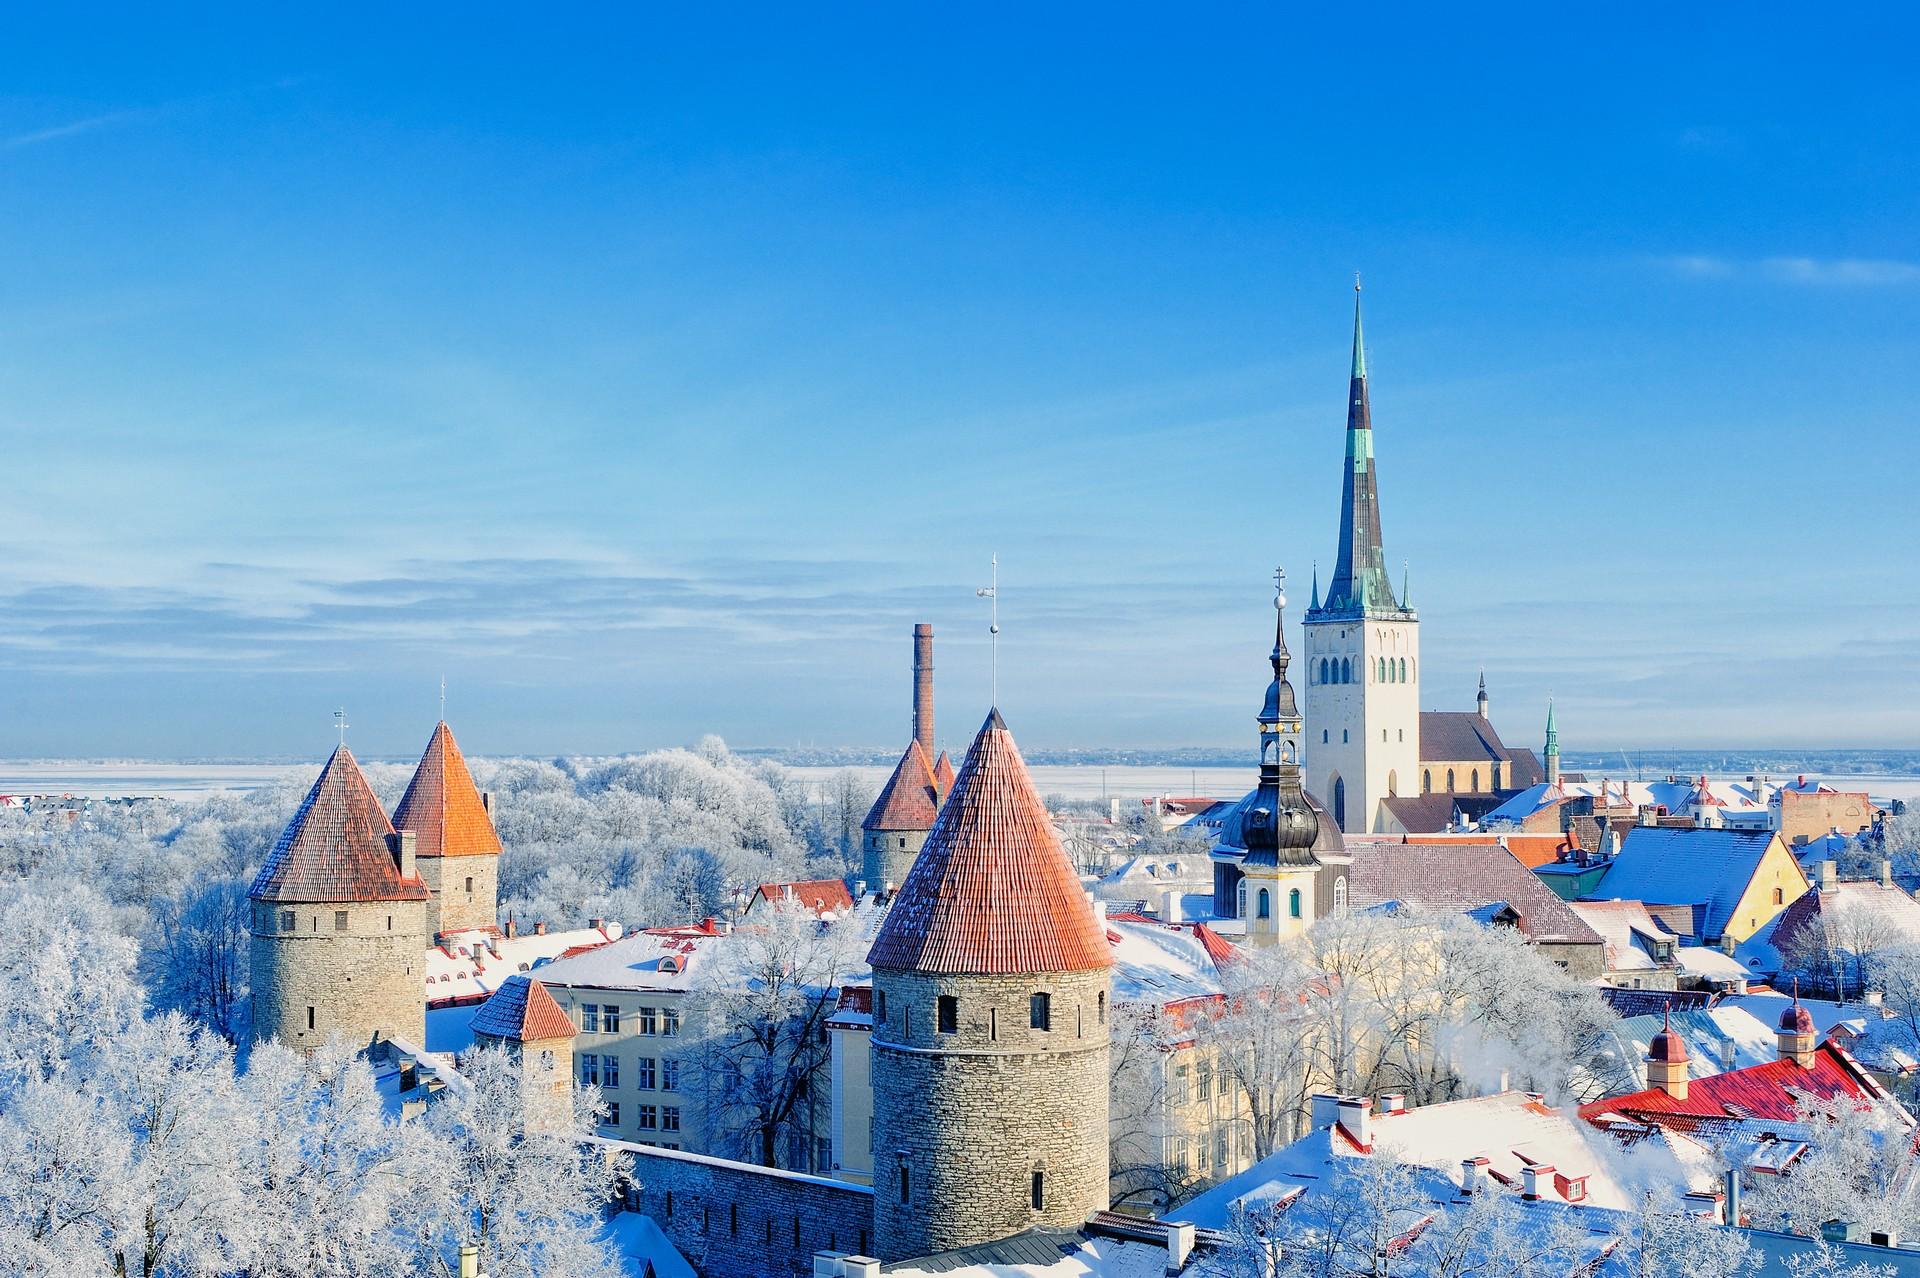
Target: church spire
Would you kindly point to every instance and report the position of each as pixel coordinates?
(1553, 747)
(1281, 828)
(1360, 581)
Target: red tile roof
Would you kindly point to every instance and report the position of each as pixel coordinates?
(818, 895)
(911, 799)
(992, 891)
(522, 1010)
(943, 774)
(336, 847)
(1770, 1092)
(442, 805)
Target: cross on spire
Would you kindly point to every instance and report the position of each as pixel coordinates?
(340, 723)
(992, 593)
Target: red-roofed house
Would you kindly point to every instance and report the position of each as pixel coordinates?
(822, 896)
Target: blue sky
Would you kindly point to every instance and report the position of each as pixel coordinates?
(650, 374)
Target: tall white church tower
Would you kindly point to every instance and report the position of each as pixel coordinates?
(1362, 648)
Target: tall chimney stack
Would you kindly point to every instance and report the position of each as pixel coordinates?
(923, 687)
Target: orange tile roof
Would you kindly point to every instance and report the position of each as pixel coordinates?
(818, 895)
(911, 799)
(943, 774)
(992, 891)
(336, 847)
(442, 805)
(521, 1009)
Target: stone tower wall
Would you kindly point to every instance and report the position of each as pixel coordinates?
(884, 860)
(363, 981)
(455, 908)
(974, 1113)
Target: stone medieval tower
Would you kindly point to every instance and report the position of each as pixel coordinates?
(991, 986)
(896, 828)
(522, 1019)
(453, 827)
(1363, 647)
(339, 922)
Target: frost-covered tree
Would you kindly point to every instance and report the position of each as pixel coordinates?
(762, 1003)
(1263, 1041)
(1661, 1239)
(522, 1188)
(1855, 1170)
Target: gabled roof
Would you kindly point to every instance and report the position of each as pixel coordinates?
(992, 891)
(1710, 867)
(1421, 813)
(1463, 877)
(818, 895)
(442, 805)
(911, 799)
(336, 847)
(1881, 911)
(1772, 1092)
(522, 1010)
(1450, 735)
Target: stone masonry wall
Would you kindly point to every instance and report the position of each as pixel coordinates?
(736, 1220)
(364, 981)
(974, 1113)
(885, 860)
(455, 909)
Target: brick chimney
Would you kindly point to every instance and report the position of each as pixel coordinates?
(1536, 1181)
(923, 687)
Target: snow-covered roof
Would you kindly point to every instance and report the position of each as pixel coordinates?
(1710, 1034)
(1508, 1129)
(454, 972)
(641, 961)
(1766, 1005)
(1709, 964)
(1668, 866)
(1674, 795)
(1160, 963)
(1629, 931)
(642, 1248)
(1043, 1253)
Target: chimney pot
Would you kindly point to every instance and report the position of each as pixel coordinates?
(405, 853)
(1536, 1181)
(540, 928)
(1356, 1119)
(596, 924)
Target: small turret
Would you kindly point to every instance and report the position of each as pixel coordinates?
(1281, 827)
(1796, 1037)
(1480, 702)
(1667, 1060)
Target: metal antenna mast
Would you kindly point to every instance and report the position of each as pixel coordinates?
(993, 630)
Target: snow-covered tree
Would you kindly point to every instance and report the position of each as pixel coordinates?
(1262, 1039)
(525, 1190)
(762, 1004)
(1855, 1170)
(1661, 1239)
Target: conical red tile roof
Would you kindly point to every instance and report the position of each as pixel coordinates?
(336, 848)
(442, 805)
(911, 799)
(522, 1010)
(992, 891)
(943, 774)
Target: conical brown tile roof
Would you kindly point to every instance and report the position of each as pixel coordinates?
(911, 799)
(336, 847)
(992, 891)
(522, 1010)
(442, 805)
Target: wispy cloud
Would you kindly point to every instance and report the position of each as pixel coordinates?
(1821, 272)
(72, 128)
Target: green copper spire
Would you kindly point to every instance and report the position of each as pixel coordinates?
(1316, 585)
(1553, 733)
(1406, 589)
(1359, 344)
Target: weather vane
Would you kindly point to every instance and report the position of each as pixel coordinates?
(443, 698)
(340, 722)
(993, 629)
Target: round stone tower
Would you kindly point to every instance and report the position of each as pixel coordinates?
(339, 922)
(991, 991)
(459, 853)
(897, 825)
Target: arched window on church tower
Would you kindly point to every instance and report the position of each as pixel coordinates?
(1346, 670)
(1449, 780)
(1426, 781)
(1293, 904)
(1323, 670)
(1382, 671)
(1340, 896)
(1403, 670)
(1266, 905)
(1476, 781)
